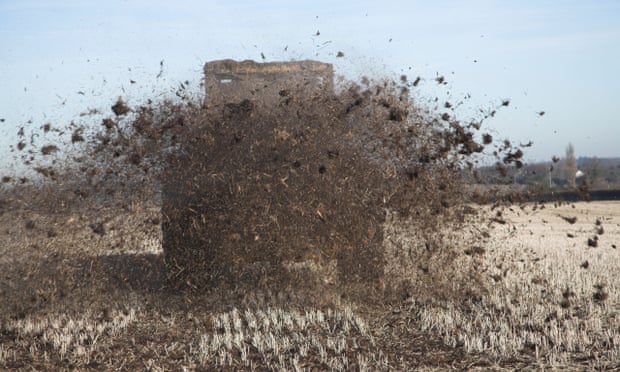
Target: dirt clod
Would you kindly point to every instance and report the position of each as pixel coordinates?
(120, 108)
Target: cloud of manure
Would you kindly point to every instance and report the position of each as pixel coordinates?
(248, 189)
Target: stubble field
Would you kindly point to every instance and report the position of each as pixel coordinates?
(78, 294)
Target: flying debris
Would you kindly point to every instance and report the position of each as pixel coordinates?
(49, 149)
(120, 107)
(570, 219)
(108, 123)
(161, 69)
(600, 230)
(593, 242)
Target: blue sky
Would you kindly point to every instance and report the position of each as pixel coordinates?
(559, 57)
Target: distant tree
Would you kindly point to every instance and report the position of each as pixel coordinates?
(592, 169)
(612, 177)
(570, 165)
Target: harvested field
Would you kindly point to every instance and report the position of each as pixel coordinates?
(79, 299)
(553, 298)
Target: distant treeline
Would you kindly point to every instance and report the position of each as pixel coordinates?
(573, 196)
(597, 173)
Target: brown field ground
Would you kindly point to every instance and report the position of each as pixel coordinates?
(92, 296)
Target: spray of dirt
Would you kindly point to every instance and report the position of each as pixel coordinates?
(250, 190)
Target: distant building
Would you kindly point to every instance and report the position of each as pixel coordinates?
(580, 178)
(232, 81)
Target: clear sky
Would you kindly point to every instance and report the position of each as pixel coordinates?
(59, 58)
